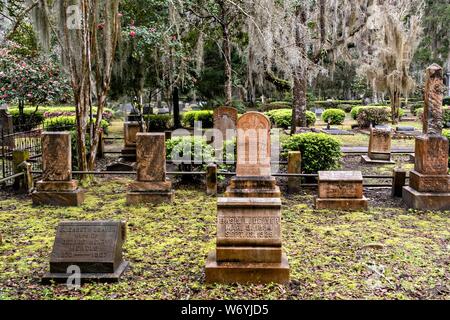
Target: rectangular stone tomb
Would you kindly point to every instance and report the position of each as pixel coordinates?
(341, 190)
(431, 155)
(94, 248)
(379, 146)
(248, 243)
(150, 192)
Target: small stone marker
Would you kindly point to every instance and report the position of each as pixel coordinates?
(95, 247)
(151, 185)
(130, 130)
(379, 146)
(429, 181)
(341, 190)
(249, 246)
(6, 127)
(57, 186)
(405, 129)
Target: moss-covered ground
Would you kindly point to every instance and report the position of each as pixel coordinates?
(384, 253)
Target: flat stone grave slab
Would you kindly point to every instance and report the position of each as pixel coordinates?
(338, 132)
(95, 247)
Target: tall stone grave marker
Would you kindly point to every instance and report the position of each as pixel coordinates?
(249, 245)
(429, 181)
(341, 190)
(151, 185)
(379, 147)
(93, 248)
(57, 186)
(225, 119)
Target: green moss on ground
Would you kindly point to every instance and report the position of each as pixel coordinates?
(385, 253)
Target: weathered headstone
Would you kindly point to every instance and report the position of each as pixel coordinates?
(379, 146)
(94, 248)
(57, 186)
(341, 190)
(249, 246)
(151, 185)
(225, 119)
(429, 181)
(130, 130)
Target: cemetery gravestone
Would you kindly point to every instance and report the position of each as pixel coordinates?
(341, 190)
(429, 181)
(94, 247)
(151, 185)
(130, 130)
(249, 245)
(379, 146)
(225, 119)
(57, 186)
(6, 127)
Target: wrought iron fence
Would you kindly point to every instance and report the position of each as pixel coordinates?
(29, 140)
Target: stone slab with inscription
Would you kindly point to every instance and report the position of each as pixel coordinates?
(340, 190)
(92, 247)
(225, 119)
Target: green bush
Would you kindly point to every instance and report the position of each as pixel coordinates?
(282, 118)
(415, 106)
(158, 122)
(355, 111)
(319, 151)
(67, 123)
(31, 118)
(446, 101)
(333, 116)
(334, 104)
(205, 116)
(372, 115)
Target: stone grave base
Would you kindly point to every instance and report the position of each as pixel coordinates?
(429, 183)
(341, 203)
(366, 159)
(426, 200)
(58, 198)
(88, 277)
(249, 187)
(246, 272)
(154, 197)
(128, 154)
(249, 254)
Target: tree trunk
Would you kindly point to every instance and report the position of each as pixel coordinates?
(176, 108)
(300, 79)
(395, 107)
(299, 104)
(228, 68)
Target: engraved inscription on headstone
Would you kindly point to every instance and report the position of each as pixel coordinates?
(93, 246)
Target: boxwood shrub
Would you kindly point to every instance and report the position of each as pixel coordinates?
(205, 116)
(334, 116)
(158, 122)
(282, 118)
(67, 123)
(319, 151)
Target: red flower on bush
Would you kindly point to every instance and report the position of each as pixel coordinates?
(132, 34)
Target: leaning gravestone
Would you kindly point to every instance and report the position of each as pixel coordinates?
(151, 186)
(92, 247)
(429, 181)
(249, 246)
(341, 190)
(379, 147)
(6, 127)
(57, 186)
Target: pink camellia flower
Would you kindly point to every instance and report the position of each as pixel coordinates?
(174, 37)
(29, 95)
(24, 64)
(3, 89)
(120, 14)
(132, 34)
(152, 29)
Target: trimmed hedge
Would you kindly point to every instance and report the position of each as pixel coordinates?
(67, 123)
(205, 116)
(334, 104)
(334, 116)
(159, 122)
(372, 115)
(319, 151)
(282, 118)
